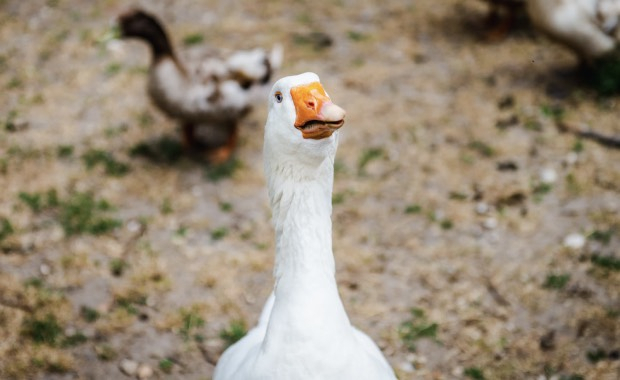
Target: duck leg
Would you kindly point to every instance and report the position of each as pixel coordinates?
(189, 136)
(223, 152)
(501, 20)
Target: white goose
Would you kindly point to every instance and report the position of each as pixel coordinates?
(304, 332)
(589, 27)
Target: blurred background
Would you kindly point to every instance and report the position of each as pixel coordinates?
(476, 218)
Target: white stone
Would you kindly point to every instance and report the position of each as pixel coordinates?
(129, 367)
(133, 226)
(144, 371)
(490, 223)
(45, 269)
(571, 158)
(482, 208)
(575, 241)
(406, 367)
(548, 176)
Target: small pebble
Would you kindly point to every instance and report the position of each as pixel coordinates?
(144, 371)
(490, 223)
(116, 47)
(571, 158)
(482, 208)
(574, 241)
(129, 367)
(133, 226)
(45, 269)
(406, 367)
(548, 176)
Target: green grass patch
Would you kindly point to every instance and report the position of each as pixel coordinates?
(555, 112)
(540, 190)
(226, 206)
(79, 213)
(446, 224)
(556, 281)
(603, 237)
(113, 167)
(46, 330)
(82, 213)
(117, 267)
(190, 321)
(73, 340)
(418, 327)
(606, 262)
(165, 150)
(474, 373)
(32, 200)
(105, 352)
(455, 195)
(234, 332)
(193, 39)
(413, 209)
(595, 356)
(112, 69)
(219, 233)
(338, 198)
(482, 148)
(6, 228)
(218, 172)
(166, 365)
(356, 36)
(89, 314)
(368, 155)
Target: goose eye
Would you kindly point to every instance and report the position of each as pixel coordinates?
(279, 97)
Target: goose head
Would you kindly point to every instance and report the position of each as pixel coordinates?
(303, 122)
(137, 23)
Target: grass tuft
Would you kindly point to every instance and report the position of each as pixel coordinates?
(474, 373)
(557, 282)
(367, 156)
(416, 328)
(606, 262)
(6, 228)
(43, 331)
(166, 365)
(193, 39)
(96, 157)
(165, 150)
(190, 321)
(234, 332)
(215, 173)
(81, 213)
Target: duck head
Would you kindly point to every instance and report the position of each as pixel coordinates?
(137, 23)
(303, 122)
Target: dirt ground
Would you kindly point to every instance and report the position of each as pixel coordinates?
(473, 239)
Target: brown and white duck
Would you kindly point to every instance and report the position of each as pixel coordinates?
(590, 28)
(207, 94)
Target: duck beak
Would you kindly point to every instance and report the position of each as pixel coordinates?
(317, 116)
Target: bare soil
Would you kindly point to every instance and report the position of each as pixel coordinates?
(454, 195)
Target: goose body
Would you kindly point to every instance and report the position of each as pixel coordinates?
(204, 91)
(589, 27)
(304, 332)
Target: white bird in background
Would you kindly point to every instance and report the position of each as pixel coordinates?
(206, 94)
(589, 27)
(304, 332)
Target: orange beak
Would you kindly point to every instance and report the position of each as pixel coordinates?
(317, 117)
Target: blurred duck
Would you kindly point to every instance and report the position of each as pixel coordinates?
(303, 332)
(502, 17)
(208, 94)
(589, 27)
